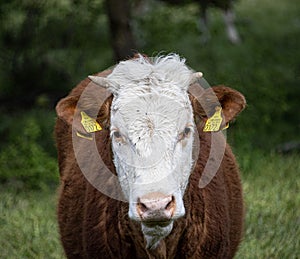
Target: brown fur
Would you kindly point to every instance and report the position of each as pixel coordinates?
(93, 225)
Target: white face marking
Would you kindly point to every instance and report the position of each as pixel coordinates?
(152, 133)
(152, 138)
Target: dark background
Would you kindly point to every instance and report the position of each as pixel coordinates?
(47, 47)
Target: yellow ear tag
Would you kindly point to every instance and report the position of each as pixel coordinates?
(226, 126)
(89, 124)
(214, 122)
(83, 136)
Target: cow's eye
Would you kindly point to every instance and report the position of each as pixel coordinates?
(185, 133)
(117, 135)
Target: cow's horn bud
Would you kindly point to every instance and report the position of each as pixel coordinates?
(197, 75)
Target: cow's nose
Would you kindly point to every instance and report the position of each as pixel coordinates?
(156, 207)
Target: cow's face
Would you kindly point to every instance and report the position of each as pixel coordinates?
(152, 138)
(152, 131)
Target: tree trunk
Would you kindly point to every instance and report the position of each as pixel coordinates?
(121, 33)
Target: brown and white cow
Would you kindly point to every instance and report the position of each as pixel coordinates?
(145, 169)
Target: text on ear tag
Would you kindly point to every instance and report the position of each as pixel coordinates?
(89, 124)
(214, 122)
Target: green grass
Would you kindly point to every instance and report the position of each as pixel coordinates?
(28, 226)
(271, 187)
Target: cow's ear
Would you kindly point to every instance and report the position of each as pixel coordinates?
(66, 110)
(205, 102)
(86, 109)
(232, 101)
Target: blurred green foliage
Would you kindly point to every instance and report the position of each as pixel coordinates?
(24, 160)
(47, 47)
(264, 67)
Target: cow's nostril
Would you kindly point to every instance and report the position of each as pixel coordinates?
(156, 206)
(171, 204)
(141, 206)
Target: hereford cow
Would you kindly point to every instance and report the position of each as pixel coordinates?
(145, 171)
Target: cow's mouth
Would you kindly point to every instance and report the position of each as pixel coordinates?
(154, 223)
(155, 231)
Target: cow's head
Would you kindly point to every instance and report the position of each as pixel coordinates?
(152, 130)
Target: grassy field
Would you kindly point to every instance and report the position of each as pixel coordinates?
(271, 187)
(28, 227)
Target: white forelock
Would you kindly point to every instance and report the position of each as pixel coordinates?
(159, 72)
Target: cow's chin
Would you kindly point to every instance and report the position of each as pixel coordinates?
(154, 233)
